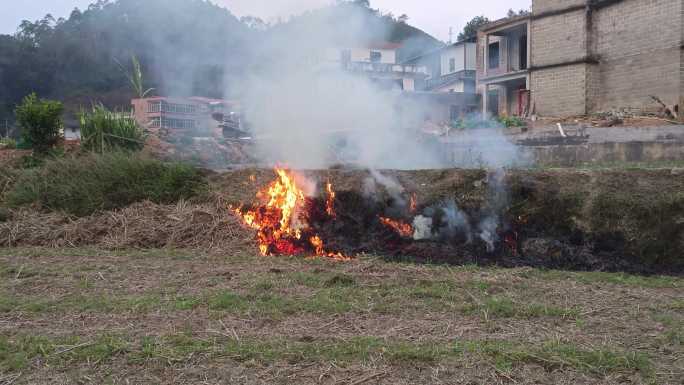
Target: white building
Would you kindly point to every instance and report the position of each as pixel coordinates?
(378, 61)
(449, 69)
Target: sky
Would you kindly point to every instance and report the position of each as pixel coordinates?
(433, 16)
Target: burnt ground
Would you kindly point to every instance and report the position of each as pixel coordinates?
(71, 316)
(629, 220)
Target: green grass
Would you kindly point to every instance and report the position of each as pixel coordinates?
(103, 130)
(674, 328)
(84, 303)
(18, 352)
(84, 185)
(554, 355)
(501, 307)
(622, 279)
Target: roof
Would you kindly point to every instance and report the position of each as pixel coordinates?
(438, 50)
(383, 45)
(503, 22)
(196, 99)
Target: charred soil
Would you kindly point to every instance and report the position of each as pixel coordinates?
(620, 220)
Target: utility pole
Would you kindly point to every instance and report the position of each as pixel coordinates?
(451, 35)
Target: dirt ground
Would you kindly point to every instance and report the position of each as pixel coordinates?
(92, 316)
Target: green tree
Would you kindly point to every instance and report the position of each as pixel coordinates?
(135, 78)
(40, 121)
(470, 30)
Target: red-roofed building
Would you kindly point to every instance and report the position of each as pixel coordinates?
(194, 116)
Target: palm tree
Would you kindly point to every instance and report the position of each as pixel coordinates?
(135, 78)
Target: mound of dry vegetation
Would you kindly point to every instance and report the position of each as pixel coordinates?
(614, 220)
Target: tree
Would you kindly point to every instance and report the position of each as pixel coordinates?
(403, 18)
(135, 78)
(254, 23)
(522, 12)
(40, 121)
(470, 30)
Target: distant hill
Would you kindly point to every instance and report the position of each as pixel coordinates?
(353, 22)
(185, 46)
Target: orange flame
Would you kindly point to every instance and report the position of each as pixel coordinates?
(403, 229)
(413, 204)
(330, 203)
(279, 223)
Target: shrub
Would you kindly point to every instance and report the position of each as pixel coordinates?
(40, 121)
(511, 121)
(8, 143)
(81, 186)
(103, 130)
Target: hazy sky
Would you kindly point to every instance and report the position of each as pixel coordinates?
(433, 16)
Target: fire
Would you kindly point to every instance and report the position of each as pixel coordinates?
(281, 225)
(330, 203)
(403, 229)
(413, 204)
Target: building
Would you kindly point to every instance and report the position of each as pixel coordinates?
(578, 57)
(193, 116)
(449, 69)
(378, 62)
(448, 91)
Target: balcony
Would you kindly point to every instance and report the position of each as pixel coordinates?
(507, 51)
(447, 79)
(385, 68)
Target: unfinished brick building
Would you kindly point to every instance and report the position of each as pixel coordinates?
(577, 57)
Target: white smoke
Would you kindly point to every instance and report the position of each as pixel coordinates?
(497, 203)
(309, 113)
(392, 186)
(455, 221)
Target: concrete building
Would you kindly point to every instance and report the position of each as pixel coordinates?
(577, 57)
(193, 116)
(449, 69)
(378, 62)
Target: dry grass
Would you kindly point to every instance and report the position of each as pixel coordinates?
(142, 225)
(184, 317)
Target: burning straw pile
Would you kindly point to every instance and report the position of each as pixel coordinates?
(141, 225)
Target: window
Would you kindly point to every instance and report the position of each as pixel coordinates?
(494, 55)
(523, 52)
(452, 65)
(181, 124)
(153, 107)
(155, 122)
(178, 108)
(375, 56)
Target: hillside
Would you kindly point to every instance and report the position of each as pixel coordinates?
(186, 47)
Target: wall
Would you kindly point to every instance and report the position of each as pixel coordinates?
(569, 156)
(464, 56)
(458, 86)
(559, 91)
(541, 6)
(638, 45)
(454, 52)
(471, 56)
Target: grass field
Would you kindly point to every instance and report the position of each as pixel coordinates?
(168, 316)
